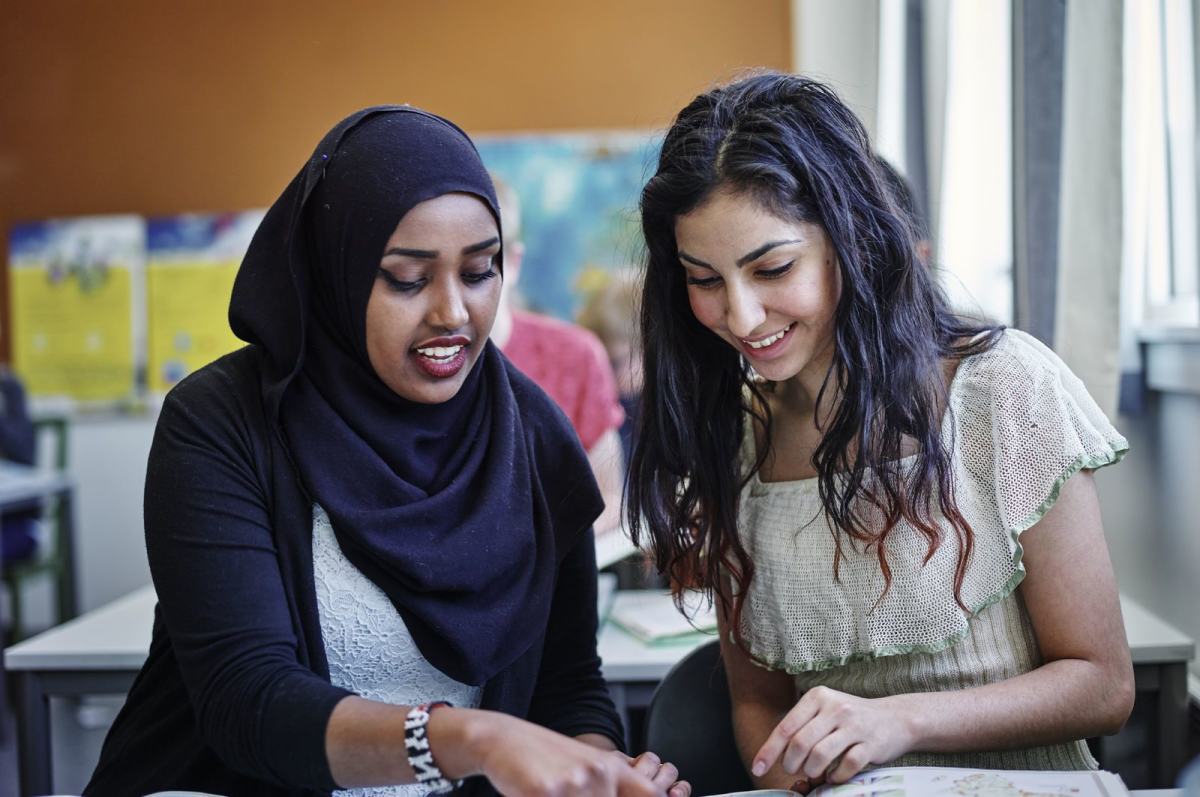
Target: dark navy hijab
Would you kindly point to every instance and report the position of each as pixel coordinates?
(458, 511)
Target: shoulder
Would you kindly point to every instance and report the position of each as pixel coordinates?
(1016, 366)
(1019, 395)
(222, 398)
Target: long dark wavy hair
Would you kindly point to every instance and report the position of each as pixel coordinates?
(790, 143)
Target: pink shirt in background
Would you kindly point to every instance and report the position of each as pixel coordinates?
(570, 364)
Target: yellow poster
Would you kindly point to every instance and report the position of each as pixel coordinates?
(74, 285)
(191, 264)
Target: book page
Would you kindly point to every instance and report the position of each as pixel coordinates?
(952, 782)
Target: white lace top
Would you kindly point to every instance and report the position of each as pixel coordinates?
(369, 649)
(1019, 424)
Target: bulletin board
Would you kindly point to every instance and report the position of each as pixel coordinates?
(109, 310)
(191, 263)
(74, 288)
(579, 206)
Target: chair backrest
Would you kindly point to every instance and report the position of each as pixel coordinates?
(689, 723)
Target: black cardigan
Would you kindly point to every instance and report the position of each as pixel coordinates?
(235, 697)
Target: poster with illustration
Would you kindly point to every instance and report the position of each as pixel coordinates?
(579, 196)
(75, 286)
(191, 262)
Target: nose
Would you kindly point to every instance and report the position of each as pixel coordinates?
(447, 310)
(744, 313)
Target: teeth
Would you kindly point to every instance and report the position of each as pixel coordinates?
(762, 344)
(440, 352)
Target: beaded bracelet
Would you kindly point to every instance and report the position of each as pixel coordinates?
(420, 757)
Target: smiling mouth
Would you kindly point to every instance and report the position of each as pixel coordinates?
(442, 357)
(441, 354)
(763, 343)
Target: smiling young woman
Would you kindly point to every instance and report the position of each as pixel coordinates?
(892, 504)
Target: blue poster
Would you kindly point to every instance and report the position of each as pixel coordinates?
(579, 206)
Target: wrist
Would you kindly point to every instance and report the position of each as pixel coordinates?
(911, 720)
(460, 739)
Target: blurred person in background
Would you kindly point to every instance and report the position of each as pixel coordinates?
(566, 361)
(610, 311)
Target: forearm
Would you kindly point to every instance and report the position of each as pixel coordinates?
(1063, 700)
(365, 742)
(752, 724)
(1060, 701)
(365, 747)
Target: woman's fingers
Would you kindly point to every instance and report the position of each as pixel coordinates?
(680, 789)
(632, 783)
(802, 743)
(781, 736)
(646, 764)
(825, 753)
(666, 776)
(852, 762)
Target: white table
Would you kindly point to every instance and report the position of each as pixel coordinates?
(21, 484)
(612, 546)
(101, 653)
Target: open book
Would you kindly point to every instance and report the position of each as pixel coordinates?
(951, 782)
(652, 617)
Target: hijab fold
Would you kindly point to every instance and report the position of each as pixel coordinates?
(458, 511)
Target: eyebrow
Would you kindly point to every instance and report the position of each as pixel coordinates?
(432, 254)
(749, 257)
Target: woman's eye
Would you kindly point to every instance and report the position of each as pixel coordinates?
(707, 282)
(398, 284)
(775, 273)
(476, 277)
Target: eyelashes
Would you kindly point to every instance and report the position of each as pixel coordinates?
(406, 286)
(766, 274)
(708, 282)
(476, 277)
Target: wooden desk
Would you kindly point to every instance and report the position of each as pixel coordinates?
(101, 653)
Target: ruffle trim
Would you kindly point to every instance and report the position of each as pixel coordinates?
(1115, 453)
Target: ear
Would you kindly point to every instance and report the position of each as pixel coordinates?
(924, 251)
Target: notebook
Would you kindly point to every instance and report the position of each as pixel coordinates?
(953, 782)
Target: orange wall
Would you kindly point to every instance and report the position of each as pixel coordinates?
(158, 107)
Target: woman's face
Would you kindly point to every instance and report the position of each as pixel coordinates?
(767, 285)
(434, 298)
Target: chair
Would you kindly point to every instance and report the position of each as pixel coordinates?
(689, 723)
(49, 559)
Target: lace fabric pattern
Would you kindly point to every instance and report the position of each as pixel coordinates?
(1020, 424)
(369, 648)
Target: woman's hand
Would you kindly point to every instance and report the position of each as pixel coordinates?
(663, 774)
(830, 736)
(521, 758)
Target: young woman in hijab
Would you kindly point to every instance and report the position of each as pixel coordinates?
(893, 505)
(368, 510)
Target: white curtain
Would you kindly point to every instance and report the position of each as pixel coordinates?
(838, 42)
(1086, 333)
(974, 200)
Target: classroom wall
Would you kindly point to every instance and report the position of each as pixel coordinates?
(159, 108)
(150, 107)
(1151, 505)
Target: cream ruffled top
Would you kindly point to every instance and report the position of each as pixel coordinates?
(1020, 424)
